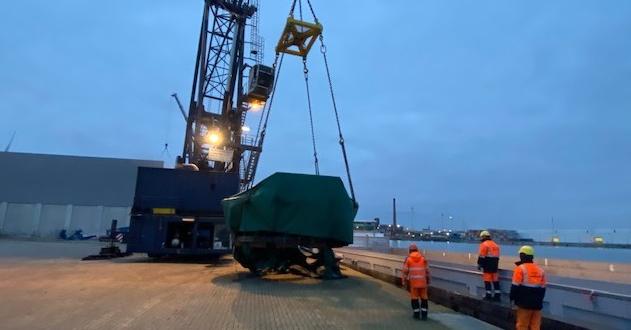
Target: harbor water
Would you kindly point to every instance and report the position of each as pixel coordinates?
(598, 254)
(615, 235)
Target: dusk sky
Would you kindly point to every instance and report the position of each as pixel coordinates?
(497, 113)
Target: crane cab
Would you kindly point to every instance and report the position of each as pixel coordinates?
(261, 83)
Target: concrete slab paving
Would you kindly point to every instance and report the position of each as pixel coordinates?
(45, 286)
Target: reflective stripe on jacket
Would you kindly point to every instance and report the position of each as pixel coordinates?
(415, 270)
(529, 286)
(489, 256)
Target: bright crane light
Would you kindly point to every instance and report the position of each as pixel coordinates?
(245, 129)
(256, 105)
(215, 138)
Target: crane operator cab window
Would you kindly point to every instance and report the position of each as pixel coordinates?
(261, 83)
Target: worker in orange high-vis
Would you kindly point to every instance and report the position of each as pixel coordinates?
(528, 290)
(488, 262)
(415, 276)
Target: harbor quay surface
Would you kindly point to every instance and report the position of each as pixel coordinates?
(44, 285)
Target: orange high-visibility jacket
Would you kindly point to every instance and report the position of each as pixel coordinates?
(489, 256)
(529, 286)
(415, 270)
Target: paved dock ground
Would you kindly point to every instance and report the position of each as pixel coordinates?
(44, 285)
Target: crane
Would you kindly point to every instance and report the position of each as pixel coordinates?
(178, 211)
(179, 105)
(10, 142)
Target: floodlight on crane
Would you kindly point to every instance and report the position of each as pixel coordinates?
(256, 105)
(215, 138)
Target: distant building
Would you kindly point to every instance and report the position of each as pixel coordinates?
(367, 235)
(366, 225)
(505, 235)
(40, 194)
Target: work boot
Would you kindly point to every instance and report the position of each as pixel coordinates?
(424, 305)
(496, 289)
(415, 308)
(489, 291)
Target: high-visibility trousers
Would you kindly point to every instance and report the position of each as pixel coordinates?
(416, 293)
(528, 319)
(490, 277)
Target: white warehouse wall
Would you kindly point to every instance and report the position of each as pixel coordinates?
(40, 195)
(46, 221)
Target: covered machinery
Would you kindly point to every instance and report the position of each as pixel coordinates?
(287, 219)
(291, 222)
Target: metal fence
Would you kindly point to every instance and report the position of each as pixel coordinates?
(581, 306)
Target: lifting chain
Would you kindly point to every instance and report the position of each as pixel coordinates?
(262, 127)
(337, 116)
(300, 8)
(293, 7)
(328, 75)
(315, 18)
(313, 140)
(265, 115)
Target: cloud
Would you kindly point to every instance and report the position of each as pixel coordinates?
(499, 114)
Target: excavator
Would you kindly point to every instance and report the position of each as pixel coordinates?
(209, 204)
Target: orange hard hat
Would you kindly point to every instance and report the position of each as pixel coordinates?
(413, 247)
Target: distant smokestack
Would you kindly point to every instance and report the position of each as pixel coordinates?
(394, 213)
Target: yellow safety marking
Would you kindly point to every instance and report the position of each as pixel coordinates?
(163, 211)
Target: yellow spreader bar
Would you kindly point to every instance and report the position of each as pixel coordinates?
(298, 37)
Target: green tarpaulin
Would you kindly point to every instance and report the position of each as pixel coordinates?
(296, 204)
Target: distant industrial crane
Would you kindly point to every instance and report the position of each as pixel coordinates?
(179, 105)
(10, 142)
